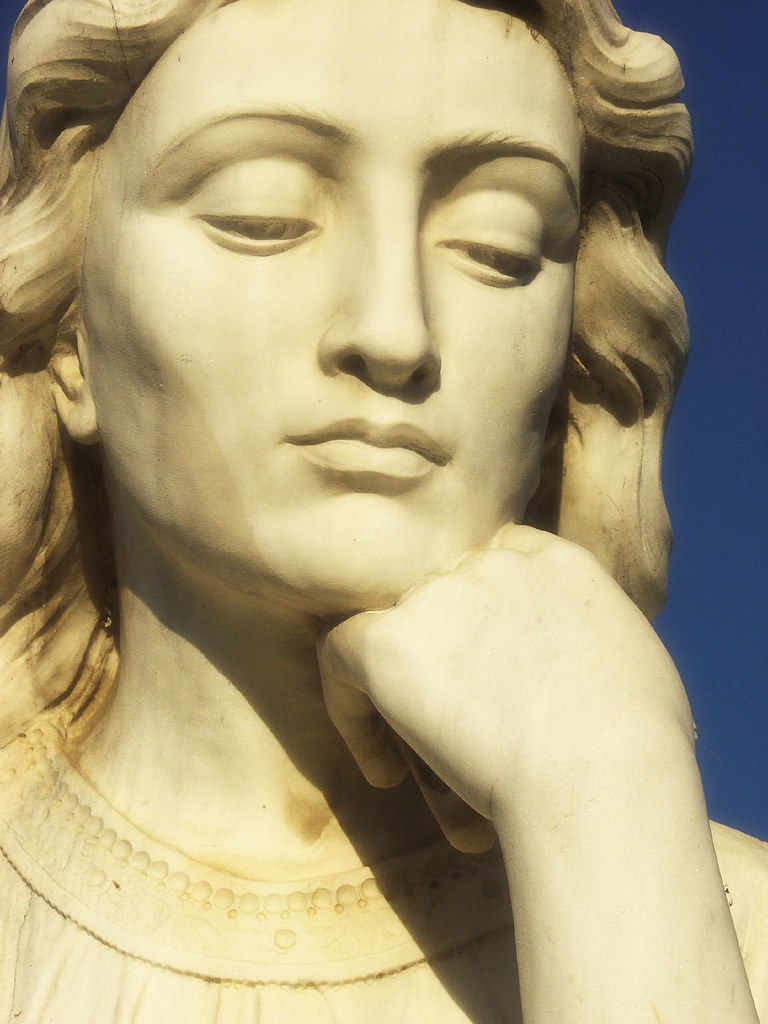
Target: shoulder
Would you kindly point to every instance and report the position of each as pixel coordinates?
(743, 864)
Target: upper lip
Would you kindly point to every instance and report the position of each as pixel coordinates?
(379, 435)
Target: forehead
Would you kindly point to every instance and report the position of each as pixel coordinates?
(401, 76)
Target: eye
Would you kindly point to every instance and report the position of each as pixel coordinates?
(500, 268)
(259, 236)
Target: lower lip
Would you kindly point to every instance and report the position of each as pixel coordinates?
(351, 458)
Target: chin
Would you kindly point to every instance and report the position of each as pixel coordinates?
(351, 592)
(339, 564)
(358, 580)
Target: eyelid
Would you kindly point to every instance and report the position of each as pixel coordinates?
(510, 195)
(260, 207)
(497, 237)
(256, 174)
(477, 259)
(226, 232)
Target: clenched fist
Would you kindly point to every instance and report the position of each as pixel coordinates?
(537, 693)
(523, 664)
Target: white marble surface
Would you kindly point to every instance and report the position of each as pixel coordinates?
(352, 316)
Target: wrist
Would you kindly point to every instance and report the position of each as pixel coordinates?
(623, 772)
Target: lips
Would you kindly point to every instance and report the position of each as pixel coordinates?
(371, 454)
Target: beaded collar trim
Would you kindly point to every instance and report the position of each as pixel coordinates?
(153, 903)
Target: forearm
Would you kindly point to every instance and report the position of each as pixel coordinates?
(531, 685)
(620, 914)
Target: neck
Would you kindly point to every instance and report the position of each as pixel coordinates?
(217, 739)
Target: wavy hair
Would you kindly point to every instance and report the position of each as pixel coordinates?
(74, 66)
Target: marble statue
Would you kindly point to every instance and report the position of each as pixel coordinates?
(337, 352)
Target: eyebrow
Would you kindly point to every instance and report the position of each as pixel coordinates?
(324, 130)
(490, 145)
(172, 169)
(483, 146)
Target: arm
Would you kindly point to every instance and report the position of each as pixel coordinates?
(529, 682)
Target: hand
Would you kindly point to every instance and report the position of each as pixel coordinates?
(523, 663)
(533, 687)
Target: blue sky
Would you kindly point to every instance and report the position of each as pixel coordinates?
(715, 465)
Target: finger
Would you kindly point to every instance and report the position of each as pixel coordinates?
(463, 827)
(371, 741)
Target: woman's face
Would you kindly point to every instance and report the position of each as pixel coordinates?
(327, 291)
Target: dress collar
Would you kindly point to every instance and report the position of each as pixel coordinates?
(151, 902)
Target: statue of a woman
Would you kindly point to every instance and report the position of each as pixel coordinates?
(336, 357)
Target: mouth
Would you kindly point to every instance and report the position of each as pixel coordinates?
(373, 456)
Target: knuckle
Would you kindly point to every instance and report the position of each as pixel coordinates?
(566, 554)
(372, 640)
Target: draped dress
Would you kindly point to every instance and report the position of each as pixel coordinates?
(102, 924)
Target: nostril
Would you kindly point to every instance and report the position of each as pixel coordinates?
(426, 376)
(354, 365)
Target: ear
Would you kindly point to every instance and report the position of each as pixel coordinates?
(71, 390)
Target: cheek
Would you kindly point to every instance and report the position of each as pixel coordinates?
(506, 364)
(505, 350)
(201, 302)
(177, 324)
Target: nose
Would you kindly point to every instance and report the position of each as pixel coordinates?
(381, 334)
